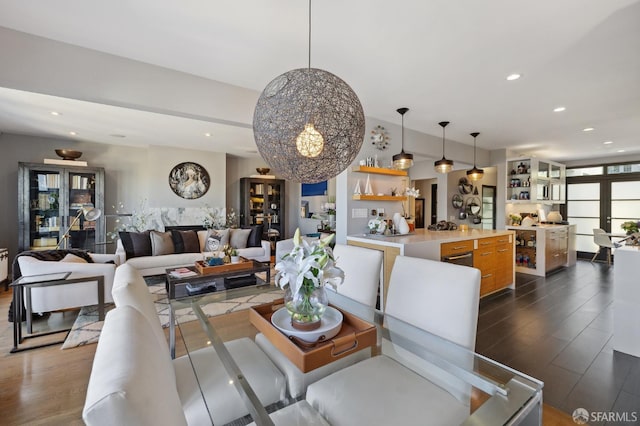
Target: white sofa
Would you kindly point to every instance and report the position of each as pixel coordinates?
(134, 381)
(46, 299)
(154, 265)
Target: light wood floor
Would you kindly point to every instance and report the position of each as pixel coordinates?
(47, 386)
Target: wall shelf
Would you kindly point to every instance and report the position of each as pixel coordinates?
(363, 197)
(380, 171)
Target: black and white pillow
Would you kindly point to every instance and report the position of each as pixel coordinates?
(216, 239)
(185, 241)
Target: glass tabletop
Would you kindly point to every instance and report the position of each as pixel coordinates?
(221, 351)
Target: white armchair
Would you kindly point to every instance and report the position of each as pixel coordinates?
(46, 299)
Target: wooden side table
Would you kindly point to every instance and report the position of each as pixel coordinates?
(25, 284)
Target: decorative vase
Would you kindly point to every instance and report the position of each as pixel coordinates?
(403, 226)
(235, 259)
(306, 307)
(332, 221)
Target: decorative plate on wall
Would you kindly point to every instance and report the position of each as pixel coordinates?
(189, 180)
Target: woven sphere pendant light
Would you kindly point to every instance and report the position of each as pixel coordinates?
(308, 125)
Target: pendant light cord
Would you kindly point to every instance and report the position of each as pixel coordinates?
(474, 152)
(309, 66)
(402, 133)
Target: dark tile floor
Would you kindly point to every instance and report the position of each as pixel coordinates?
(558, 329)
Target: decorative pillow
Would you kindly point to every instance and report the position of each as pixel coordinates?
(136, 244)
(255, 237)
(222, 235)
(72, 258)
(161, 243)
(239, 238)
(185, 241)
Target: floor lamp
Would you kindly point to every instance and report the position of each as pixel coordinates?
(89, 214)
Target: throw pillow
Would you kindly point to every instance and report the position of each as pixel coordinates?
(239, 238)
(185, 241)
(255, 237)
(72, 258)
(222, 235)
(136, 244)
(161, 243)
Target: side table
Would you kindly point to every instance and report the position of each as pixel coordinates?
(25, 284)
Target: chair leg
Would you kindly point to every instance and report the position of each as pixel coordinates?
(608, 256)
(595, 255)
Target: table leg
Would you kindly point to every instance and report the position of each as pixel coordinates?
(17, 317)
(29, 316)
(101, 298)
(172, 332)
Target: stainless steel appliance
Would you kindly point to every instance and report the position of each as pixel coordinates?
(464, 259)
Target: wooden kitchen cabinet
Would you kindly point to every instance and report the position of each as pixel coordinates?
(484, 258)
(540, 249)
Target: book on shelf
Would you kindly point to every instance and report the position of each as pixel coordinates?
(183, 273)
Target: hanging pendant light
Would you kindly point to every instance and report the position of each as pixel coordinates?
(403, 160)
(475, 173)
(443, 165)
(308, 124)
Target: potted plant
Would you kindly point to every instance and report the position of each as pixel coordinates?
(233, 254)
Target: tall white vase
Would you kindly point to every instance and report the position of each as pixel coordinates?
(403, 227)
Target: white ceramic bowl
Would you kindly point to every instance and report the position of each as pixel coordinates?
(330, 325)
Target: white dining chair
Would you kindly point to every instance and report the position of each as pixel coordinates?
(438, 297)
(362, 268)
(601, 238)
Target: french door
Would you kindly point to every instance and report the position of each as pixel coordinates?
(604, 198)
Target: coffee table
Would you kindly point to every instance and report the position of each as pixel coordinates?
(176, 286)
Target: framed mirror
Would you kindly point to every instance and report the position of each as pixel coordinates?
(457, 201)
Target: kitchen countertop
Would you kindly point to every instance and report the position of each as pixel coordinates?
(424, 235)
(533, 228)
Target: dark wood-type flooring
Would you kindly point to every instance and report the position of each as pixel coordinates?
(558, 329)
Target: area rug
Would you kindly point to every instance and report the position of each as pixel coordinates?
(86, 329)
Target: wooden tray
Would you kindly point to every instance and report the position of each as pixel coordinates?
(205, 269)
(354, 336)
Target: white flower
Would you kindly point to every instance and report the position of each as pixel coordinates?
(314, 262)
(412, 192)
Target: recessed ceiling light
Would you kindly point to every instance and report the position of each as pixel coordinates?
(588, 129)
(513, 76)
(621, 150)
(117, 135)
(207, 134)
(73, 133)
(559, 109)
(55, 113)
(607, 142)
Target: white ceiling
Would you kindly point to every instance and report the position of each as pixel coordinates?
(444, 60)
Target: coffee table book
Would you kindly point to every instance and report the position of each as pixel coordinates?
(355, 335)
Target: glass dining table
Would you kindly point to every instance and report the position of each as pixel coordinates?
(497, 394)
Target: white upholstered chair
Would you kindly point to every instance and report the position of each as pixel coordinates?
(601, 238)
(120, 386)
(362, 267)
(438, 297)
(362, 277)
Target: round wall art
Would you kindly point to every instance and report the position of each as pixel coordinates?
(189, 180)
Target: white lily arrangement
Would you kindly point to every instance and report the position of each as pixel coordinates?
(308, 266)
(412, 192)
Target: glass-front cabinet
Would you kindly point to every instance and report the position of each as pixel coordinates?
(262, 202)
(55, 199)
(531, 180)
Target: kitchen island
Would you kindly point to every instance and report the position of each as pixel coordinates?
(491, 251)
(542, 248)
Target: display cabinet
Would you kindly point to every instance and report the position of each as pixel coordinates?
(541, 249)
(532, 180)
(50, 197)
(262, 202)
